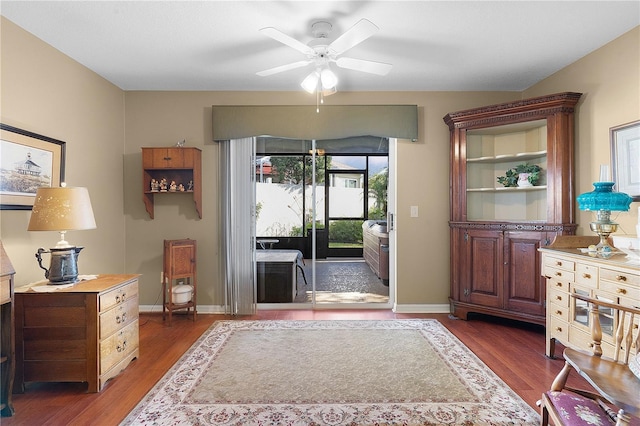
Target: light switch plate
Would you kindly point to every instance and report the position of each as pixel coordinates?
(414, 211)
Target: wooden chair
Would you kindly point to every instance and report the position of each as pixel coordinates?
(612, 378)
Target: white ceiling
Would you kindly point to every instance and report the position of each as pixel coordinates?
(433, 45)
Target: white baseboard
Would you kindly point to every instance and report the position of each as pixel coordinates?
(202, 309)
(421, 309)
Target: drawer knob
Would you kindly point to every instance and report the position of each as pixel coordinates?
(117, 299)
(121, 319)
(558, 328)
(587, 276)
(621, 278)
(558, 263)
(621, 291)
(558, 284)
(558, 274)
(558, 312)
(558, 297)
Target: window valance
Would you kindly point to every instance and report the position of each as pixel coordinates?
(303, 122)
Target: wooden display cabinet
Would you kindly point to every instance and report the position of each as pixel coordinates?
(179, 269)
(496, 231)
(181, 165)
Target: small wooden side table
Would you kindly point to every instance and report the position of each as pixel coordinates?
(179, 268)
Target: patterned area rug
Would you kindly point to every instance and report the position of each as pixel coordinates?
(392, 372)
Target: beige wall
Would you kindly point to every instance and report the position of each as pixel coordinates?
(609, 79)
(46, 92)
(163, 118)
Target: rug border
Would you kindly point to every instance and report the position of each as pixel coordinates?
(418, 324)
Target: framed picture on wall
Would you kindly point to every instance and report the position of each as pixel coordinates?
(28, 161)
(625, 158)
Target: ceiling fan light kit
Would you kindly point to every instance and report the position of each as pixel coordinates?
(323, 80)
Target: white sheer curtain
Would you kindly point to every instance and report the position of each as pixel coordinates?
(237, 177)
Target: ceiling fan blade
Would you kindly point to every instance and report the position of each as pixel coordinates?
(379, 68)
(282, 68)
(288, 40)
(362, 30)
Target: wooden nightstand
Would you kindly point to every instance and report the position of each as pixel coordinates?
(85, 333)
(7, 337)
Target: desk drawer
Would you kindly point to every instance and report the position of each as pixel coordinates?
(587, 275)
(624, 278)
(622, 291)
(559, 285)
(118, 295)
(559, 311)
(559, 274)
(557, 263)
(558, 297)
(559, 329)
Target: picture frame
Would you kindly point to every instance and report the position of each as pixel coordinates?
(28, 161)
(625, 158)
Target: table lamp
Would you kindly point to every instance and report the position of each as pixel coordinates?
(61, 209)
(603, 200)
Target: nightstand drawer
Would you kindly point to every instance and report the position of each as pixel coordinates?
(5, 290)
(116, 318)
(118, 295)
(116, 347)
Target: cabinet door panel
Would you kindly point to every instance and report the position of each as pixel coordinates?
(525, 285)
(484, 258)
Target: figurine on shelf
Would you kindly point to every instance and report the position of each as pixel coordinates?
(154, 185)
(173, 186)
(181, 188)
(190, 186)
(163, 185)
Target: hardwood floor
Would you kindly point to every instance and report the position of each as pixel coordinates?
(515, 351)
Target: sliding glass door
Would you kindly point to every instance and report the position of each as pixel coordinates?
(312, 199)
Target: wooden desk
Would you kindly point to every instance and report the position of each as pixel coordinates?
(277, 275)
(84, 333)
(568, 270)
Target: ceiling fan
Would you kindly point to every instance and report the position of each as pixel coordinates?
(320, 53)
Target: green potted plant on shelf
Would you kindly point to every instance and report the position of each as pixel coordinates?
(521, 176)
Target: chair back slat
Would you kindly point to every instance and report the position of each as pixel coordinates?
(626, 335)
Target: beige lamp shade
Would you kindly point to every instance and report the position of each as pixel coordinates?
(62, 209)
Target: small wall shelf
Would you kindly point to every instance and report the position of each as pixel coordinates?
(181, 165)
